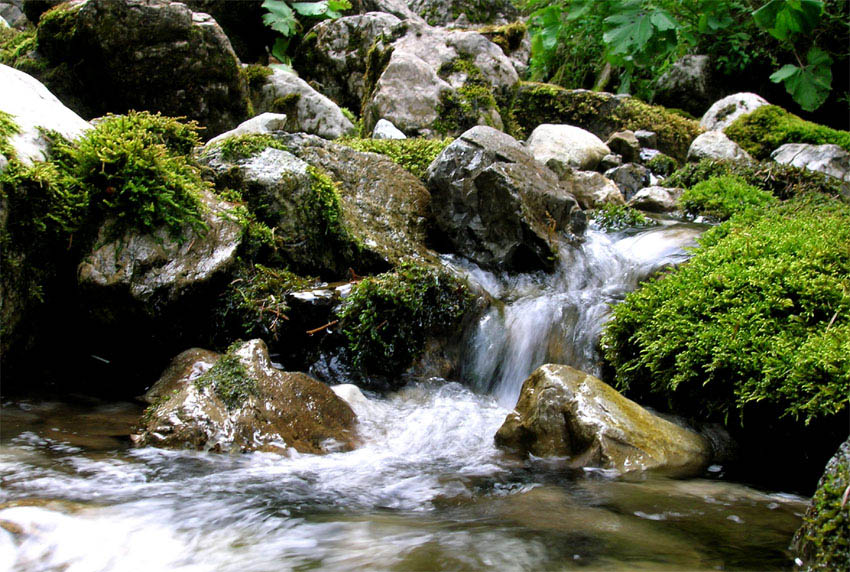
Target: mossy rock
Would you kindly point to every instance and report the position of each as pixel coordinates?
(769, 127)
(414, 154)
(600, 113)
(721, 197)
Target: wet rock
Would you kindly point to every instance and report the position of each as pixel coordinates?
(724, 112)
(307, 110)
(715, 145)
(686, 85)
(629, 178)
(823, 542)
(34, 109)
(155, 55)
(564, 412)
(445, 12)
(497, 205)
(656, 199)
(386, 130)
(432, 81)
(566, 146)
(625, 144)
(240, 402)
(829, 159)
(263, 123)
(155, 270)
(334, 54)
(593, 190)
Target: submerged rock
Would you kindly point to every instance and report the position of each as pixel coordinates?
(564, 412)
(724, 112)
(828, 159)
(240, 402)
(716, 145)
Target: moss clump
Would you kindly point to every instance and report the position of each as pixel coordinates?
(464, 107)
(245, 146)
(229, 379)
(15, 46)
(377, 60)
(674, 131)
(721, 197)
(388, 318)
(287, 104)
(255, 75)
(662, 165)
(612, 218)
(8, 128)
(508, 37)
(823, 542)
(769, 127)
(759, 316)
(413, 154)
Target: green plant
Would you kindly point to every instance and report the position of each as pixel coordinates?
(229, 379)
(769, 127)
(282, 16)
(8, 128)
(662, 165)
(723, 196)
(413, 154)
(613, 218)
(248, 145)
(387, 318)
(759, 315)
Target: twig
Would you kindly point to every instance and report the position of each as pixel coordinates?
(829, 325)
(320, 328)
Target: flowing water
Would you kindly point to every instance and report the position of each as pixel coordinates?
(427, 490)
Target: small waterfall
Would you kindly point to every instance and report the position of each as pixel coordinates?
(558, 318)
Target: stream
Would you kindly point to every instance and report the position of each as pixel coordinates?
(427, 490)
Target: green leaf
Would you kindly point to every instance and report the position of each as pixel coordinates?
(311, 8)
(279, 49)
(663, 21)
(784, 73)
(336, 8)
(280, 17)
(783, 19)
(808, 86)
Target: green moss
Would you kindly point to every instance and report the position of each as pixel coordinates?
(255, 75)
(769, 127)
(245, 146)
(287, 104)
(662, 165)
(613, 218)
(674, 131)
(464, 107)
(759, 316)
(229, 379)
(57, 31)
(721, 197)
(15, 46)
(413, 154)
(538, 103)
(388, 318)
(8, 127)
(377, 60)
(508, 37)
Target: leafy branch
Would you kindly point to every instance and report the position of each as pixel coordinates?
(282, 16)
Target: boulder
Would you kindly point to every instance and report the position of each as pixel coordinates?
(11, 12)
(687, 85)
(829, 159)
(386, 130)
(562, 146)
(629, 178)
(155, 55)
(446, 12)
(432, 81)
(263, 123)
(593, 190)
(625, 144)
(307, 110)
(240, 402)
(609, 162)
(35, 109)
(724, 112)
(242, 21)
(397, 8)
(497, 205)
(715, 145)
(563, 412)
(656, 199)
(823, 542)
(646, 139)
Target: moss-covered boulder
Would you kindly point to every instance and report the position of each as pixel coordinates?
(239, 402)
(600, 113)
(823, 542)
(102, 56)
(445, 12)
(563, 412)
(829, 159)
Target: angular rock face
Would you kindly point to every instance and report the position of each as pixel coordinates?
(828, 159)
(445, 12)
(593, 190)
(625, 144)
(307, 110)
(686, 85)
(715, 145)
(629, 178)
(564, 412)
(724, 112)
(152, 55)
(239, 402)
(566, 146)
(497, 205)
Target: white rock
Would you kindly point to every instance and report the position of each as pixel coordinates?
(724, 112)
(594, 190)
(829, 159)
(32, 107)
(263, 123)
(715, 145)
(386, 130)
(3, 22)
(355, 399)
(656, 199)
(567, 145)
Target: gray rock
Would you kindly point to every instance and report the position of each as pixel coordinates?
(625, 144)
(609, 162)
(656, 199)
(153, 270)
(242, 21)
(686, 85)
(240, 402)
(153, 55)
(386, 130)
(33, 109)
(263, 123)
(307, 110)
(564, 412)
(828, 159)
(566, 145)
(724, 112)
(3, 22)
(715, 145)
(12, 13)
(647, 139)
(629, 178)
(397, 8)
(497, 205)
(445, 12)
(593, 190)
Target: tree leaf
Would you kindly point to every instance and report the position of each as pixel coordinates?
(784, 73)
(280, 17)
(319, 8)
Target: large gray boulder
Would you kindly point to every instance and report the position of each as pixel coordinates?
(35, 110)
(716, 145)
(154, 55)
(240, 402)
(828, 159)
(497, 205)
(656, 199)
(562, 146)
(687, 85)
(563, 412)
(594, 190)
(724, 112)
(445, 12)
(307, 110)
